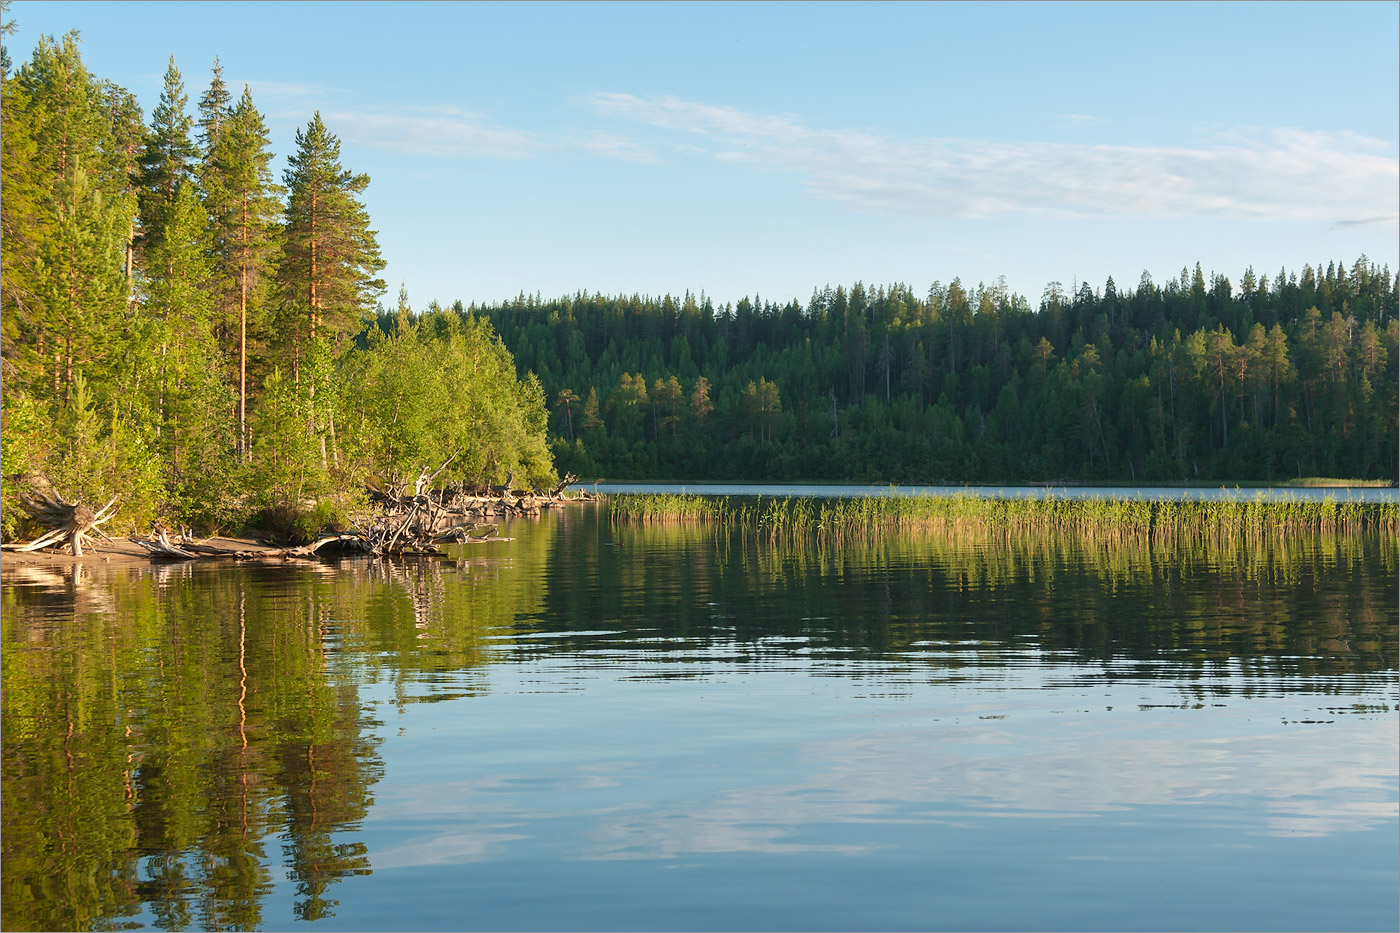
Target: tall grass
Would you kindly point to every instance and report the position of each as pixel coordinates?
(1134, 519)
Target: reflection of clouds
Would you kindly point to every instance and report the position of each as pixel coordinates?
(1303, 781)
(896, 778)
(1313, 782)
(718, 832)
(445, 849)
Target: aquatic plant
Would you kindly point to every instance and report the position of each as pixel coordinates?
(1115, 518)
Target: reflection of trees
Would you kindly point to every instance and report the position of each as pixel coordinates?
(163, 727)
(143, 734)
(1308, 603)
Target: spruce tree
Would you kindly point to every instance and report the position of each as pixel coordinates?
(214, 111)
(167, 160)
(192, 420)
(65, 217)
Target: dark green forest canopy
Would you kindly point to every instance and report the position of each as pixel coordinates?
(1193, 378)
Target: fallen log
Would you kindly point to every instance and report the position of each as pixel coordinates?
(159, 545)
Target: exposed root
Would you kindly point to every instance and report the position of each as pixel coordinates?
(70, 521)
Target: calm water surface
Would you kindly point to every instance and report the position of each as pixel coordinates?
(598, 727)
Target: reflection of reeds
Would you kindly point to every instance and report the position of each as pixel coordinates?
(1119, 519)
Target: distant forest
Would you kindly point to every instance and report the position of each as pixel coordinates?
(1194, 378)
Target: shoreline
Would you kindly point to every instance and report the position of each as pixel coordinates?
(115, 553)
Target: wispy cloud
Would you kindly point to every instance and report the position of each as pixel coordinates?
(440, 132)
(450, 131)
(1392, 218)
(613, 146)
(1278, 174)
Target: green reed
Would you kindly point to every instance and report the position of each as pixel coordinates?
(1116, 518)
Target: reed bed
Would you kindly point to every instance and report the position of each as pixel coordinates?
(1122, 518)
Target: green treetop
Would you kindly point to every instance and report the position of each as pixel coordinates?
(168, 159)
(244, 207)
(326, 279)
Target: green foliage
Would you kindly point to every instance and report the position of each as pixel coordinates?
(167, 160)
(329, 255)
(23, 441)
(243, 207)
(864, 518)
(441, 387)
(1194, 380)
(286, 450)
(100, 454)
(153, 374)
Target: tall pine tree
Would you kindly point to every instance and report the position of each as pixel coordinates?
(326, 276)
(244, 207)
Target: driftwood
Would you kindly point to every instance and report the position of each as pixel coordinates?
(70, 521)
(159, 545)
(401, 526)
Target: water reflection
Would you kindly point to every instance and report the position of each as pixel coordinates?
(1306, 604)
(184, 741)
(160, 737)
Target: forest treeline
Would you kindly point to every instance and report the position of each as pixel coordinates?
(1195, 378)
(185, 332)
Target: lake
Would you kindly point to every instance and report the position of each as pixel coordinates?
(605, 726)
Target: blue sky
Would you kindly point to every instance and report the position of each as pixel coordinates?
(767, 149)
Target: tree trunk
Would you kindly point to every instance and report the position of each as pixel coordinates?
(243, 340)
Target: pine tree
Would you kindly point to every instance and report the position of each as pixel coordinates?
(329, 255)
(128, 137)
(19, 208)
(243, 204)
(592, 419)
(81, 288)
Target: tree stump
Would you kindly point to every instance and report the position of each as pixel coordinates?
(71, 520)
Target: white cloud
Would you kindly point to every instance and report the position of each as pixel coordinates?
(445, 132)
(612, 146)
(1250, 174)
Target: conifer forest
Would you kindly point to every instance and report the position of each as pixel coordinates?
(211, 344)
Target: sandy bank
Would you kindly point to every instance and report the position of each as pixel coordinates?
(116, 551)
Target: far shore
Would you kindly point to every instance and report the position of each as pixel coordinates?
(121, 551)
(1307, 482)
